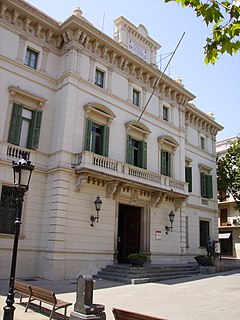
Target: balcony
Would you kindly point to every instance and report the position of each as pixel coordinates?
(117, 170)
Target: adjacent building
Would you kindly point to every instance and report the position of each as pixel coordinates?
(73, 98)
(229, 217)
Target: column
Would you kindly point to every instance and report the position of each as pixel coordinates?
(21, 48)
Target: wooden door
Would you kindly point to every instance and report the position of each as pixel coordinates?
(129, 222)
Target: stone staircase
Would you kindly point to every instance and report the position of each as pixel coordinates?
(148, 273)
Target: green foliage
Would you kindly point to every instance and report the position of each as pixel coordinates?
(228, 173)
(204, 261)
(137, 255)
(224, 18)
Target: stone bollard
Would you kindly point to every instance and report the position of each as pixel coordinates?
(84, 308)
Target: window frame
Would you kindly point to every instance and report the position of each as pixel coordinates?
(165, 113)
(136, 98)
(15, 127)
(28, 59)
(188, 177)
(90, 134)
(137, 131)
(203, 234)
(202, 143)
(99, 78)
(11, 220)
(141, 158)
(206, 185)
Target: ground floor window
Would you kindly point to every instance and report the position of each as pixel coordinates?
(8, 210)
(204, 232)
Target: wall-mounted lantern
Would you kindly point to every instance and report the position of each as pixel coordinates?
(98, 204)
(171, 219)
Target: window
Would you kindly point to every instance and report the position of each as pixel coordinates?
(223, 217)
(96, 138)
(8, 210)
(31, 58)
(165, 113)
(202, 143)
(166, 163)
(204, 232)
(136, 97)
(206, 185)
(99, 78)
(136, 152)
(188, 177)
(25, 127)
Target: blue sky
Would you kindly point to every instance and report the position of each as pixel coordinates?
(215, 87)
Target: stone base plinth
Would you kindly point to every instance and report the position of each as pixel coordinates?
(80, 316)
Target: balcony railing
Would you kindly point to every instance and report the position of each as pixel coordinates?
(118, 169)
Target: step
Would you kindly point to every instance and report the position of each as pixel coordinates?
(149, 273)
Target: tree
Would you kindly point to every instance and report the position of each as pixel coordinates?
(228, 173)
(224, 17)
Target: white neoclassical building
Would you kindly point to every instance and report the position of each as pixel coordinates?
(73, 99)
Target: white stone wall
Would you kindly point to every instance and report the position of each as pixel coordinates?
(57, 241)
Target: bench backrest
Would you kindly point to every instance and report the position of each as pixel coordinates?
(43, 295)
(120, 314)
(22, 287)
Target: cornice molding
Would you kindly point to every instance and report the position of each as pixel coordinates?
(27, 20)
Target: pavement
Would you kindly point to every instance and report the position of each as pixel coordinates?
(209, 297)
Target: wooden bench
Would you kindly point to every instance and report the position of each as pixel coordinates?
(41, 295)
(120, 314)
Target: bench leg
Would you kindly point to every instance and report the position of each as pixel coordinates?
(28, 303)
(52, 312)
(65, 313)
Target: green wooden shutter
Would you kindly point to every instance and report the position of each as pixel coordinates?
(169, 164)
(15, 125)
(144, 154)
(188, 177)
(34, 130)
(202, 184)
(129, 149)
(88, 132)
(163, 162)
(105, 140)
(209, 187)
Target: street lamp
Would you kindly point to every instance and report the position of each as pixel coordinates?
(98, 204)
(171, 219)
(22, 171)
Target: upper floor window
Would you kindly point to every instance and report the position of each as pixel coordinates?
(165, 113)
(31, 58)
(168, 146)
(96, 138)
(206, 185)
(8, 210)
(203, 143)
(136, 97)
(166, 163)
(25, 127)
(99, 78)
(188, 177)
(136, 152)
(98, 120)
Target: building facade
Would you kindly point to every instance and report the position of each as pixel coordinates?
(73, 99)
(229, 217)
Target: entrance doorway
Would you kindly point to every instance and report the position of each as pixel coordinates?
(129, 228)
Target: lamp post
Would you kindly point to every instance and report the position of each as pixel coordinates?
(22, 171)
